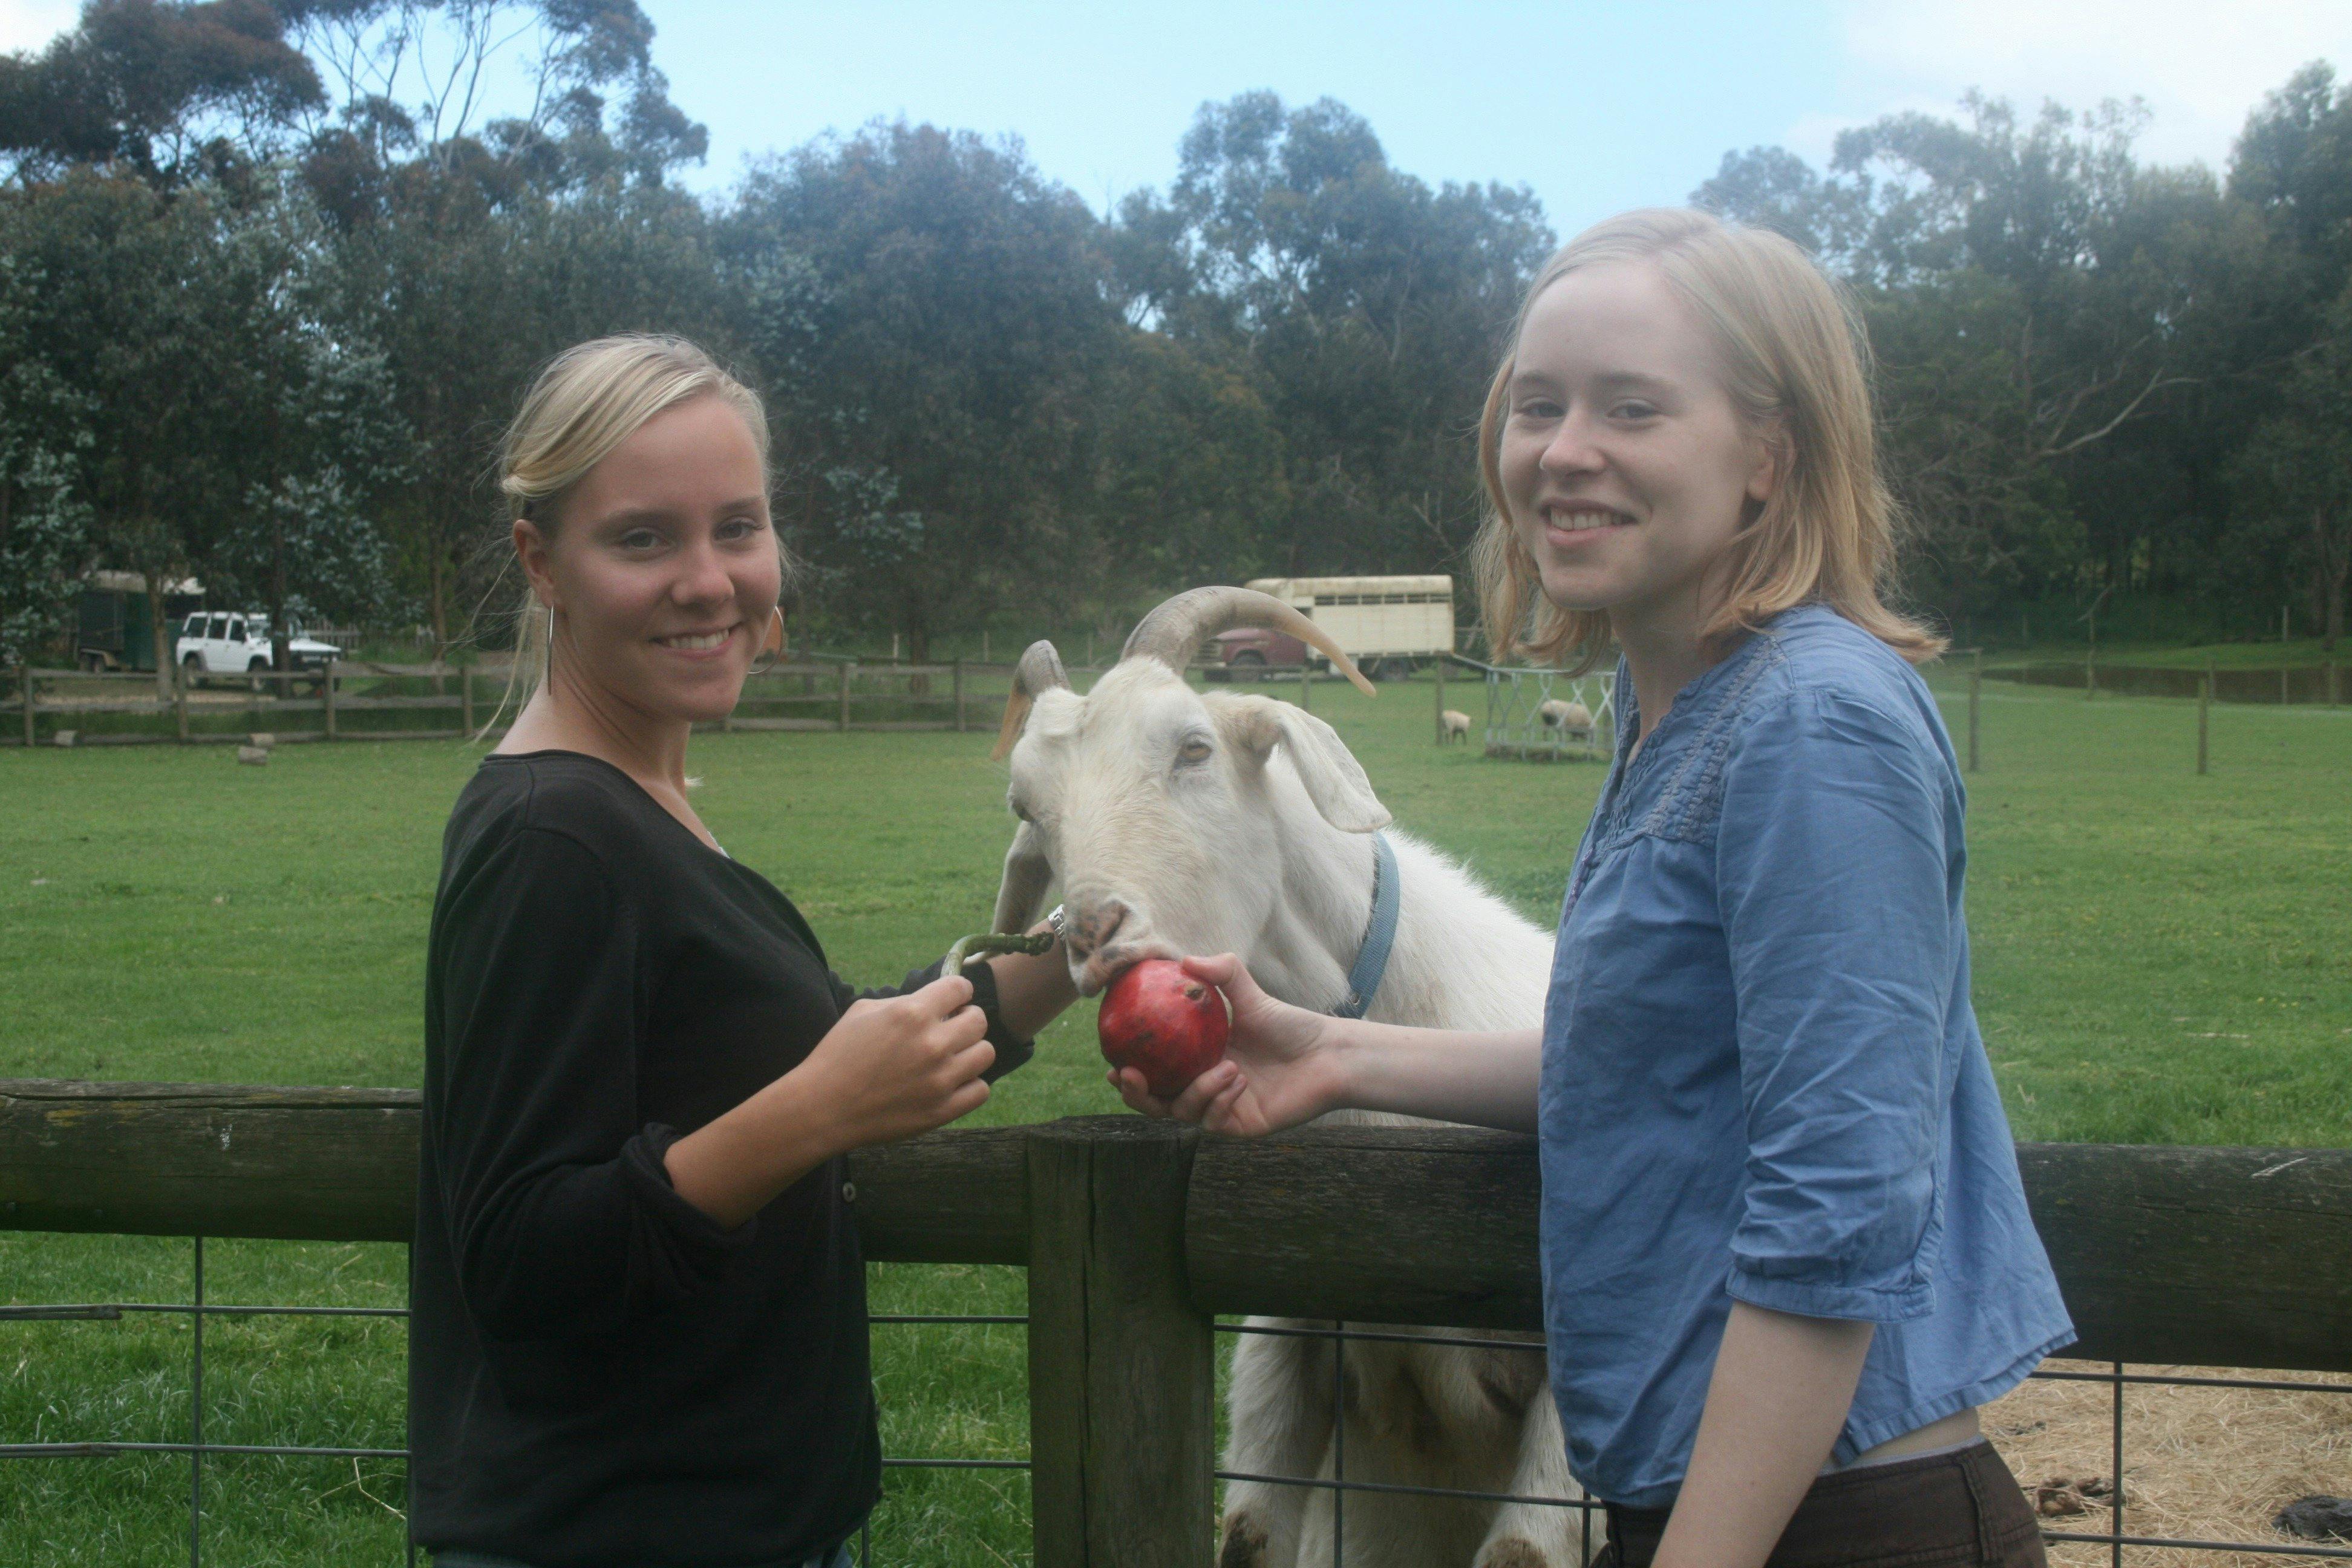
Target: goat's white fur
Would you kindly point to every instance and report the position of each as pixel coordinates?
(1457, 725)
(1263, 848)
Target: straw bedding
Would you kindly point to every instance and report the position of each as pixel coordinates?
(2202, 1464)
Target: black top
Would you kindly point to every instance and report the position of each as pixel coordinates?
(598, 1373)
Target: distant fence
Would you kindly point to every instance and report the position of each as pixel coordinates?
(369, 699)
(2288, 684)
(1137, 1233)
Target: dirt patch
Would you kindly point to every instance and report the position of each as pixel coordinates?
(2199, 1464)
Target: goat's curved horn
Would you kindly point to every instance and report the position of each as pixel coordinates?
(1173, 632)
(1040, 670)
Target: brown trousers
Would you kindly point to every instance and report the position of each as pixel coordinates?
(1940, 1511)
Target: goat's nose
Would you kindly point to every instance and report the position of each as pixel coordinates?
(1096, 925)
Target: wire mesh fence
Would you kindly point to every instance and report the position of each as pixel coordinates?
(1136, 1236)
(1544, 715)
(1337, 1483)
(1333, 1480)
(197, 1449)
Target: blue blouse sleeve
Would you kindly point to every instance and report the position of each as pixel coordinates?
(1837, 893)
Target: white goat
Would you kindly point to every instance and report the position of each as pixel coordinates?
(1457, 725)
(1178, 822)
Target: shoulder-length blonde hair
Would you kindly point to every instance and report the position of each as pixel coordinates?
(584, 402)
(1795, 361)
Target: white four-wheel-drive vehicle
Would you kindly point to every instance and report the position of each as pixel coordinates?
(232, 643)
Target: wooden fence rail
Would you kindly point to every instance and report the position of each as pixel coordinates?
(1136, 1233)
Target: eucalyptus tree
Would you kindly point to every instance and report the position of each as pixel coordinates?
(472, 245)
(2293, 478)
(1367, 308)
(44, 430)
(934, 330)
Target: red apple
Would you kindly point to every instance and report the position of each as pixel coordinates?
(1163, 1022)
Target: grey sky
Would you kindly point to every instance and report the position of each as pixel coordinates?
(1596, 107)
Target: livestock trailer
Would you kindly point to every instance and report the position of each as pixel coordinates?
(117, 630)
(1382, 623)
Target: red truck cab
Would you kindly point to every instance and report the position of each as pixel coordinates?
(1256, 648)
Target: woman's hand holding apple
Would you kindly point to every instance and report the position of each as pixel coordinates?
(1281, 1063)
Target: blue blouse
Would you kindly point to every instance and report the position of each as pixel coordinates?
(1762, 1079)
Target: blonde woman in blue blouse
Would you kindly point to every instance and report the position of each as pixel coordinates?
(1786, 1251)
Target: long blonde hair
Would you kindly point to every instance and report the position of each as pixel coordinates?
(587, 401)
(1797, 367)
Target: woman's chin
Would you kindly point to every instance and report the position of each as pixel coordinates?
(1580, 592)
(705, 702)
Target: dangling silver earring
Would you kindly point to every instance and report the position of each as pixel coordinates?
(550, 630)
(756, 668)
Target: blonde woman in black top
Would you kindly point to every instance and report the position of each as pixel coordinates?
(638, 1332)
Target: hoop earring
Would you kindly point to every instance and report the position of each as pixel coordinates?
(758, 668)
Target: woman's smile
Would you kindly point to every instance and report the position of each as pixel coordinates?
(1568, 524)
(699, 645)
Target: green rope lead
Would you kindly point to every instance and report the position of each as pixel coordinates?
(990, 941)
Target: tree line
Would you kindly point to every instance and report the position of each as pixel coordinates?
(271, 277)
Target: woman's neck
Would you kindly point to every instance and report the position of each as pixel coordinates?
(563, 716)
(1665, 652)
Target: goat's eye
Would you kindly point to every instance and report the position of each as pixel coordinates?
(1192, 752)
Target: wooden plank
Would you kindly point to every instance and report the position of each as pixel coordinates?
(447, 700)
(957, 1196)
(340, 1165)
(1122, 1370)
(327, 1164)
(2188, 1256)
(145, 675)
(2203, 1256)
(1431, 1225)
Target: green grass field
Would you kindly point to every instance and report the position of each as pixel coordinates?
(2160, 958)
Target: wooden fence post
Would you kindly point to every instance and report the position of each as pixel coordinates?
(1976, 697)
(1122, 1370)
(1303, 690)
(26, 671)
(2204, 705)
(326, 693)
(959, 696)
(847, 668)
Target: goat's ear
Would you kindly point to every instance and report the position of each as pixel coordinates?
(1335, 781)
(1028, 874)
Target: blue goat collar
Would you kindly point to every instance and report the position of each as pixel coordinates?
(1372, 958)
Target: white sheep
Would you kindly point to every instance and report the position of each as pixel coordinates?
(1180, 822)
(1573, 720)
(1456, 724)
